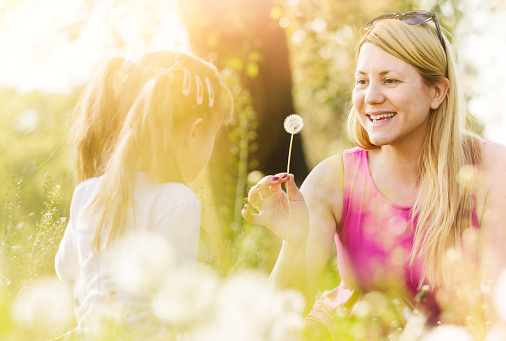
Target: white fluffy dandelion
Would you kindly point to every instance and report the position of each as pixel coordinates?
(293, 125)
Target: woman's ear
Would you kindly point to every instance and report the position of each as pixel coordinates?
(440, 90)
(195, 131)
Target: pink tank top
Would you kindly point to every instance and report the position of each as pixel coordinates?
(374, 238)
(373, 243)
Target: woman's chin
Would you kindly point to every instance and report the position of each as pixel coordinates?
(379, 140)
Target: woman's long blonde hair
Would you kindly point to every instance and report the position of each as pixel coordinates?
(150, 114)
(444, 205)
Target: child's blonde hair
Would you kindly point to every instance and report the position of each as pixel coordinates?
(443, 208)
(160, 94)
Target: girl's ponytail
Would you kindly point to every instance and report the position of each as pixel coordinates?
(98, 120)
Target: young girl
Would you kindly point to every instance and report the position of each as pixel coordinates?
(172, 106)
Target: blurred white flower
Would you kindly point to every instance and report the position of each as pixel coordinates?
(447, 333)
(139, 261)
(254, 177)
(187, 296)
(249, 309)
(45, 305)
(293, 124)
(497, 333)
(26, 122)
(415, 325)
(318, 25)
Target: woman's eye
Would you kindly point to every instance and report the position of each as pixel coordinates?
(391, 81)
(360, 82)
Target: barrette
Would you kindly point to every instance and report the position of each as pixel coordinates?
(210, 92)
(187, 82)
(200, 90)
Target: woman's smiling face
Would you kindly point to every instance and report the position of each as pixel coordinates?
(391, 100)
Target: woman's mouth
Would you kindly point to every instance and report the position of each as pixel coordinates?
(380, 117)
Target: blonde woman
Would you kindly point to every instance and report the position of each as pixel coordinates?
(178, 104)
(411, 202)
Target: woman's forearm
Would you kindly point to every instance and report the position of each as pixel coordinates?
(290, 270)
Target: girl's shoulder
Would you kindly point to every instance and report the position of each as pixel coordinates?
(179, 192)
(87, 185)
(166, 194)
(84, 190)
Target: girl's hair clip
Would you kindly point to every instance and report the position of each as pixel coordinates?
(210, 92)
(176, 66)
(200, 90)
(187, 82)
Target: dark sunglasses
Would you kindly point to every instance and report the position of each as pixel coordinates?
(411, 18)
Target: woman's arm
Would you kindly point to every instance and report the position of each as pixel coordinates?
(306, 248)
(324, 192)
(493, 213)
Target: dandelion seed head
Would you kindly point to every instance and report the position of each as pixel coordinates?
(138, 259)
(191, 292)
(44, 305)
(293, 124)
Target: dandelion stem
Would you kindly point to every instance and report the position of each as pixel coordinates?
(286, 186)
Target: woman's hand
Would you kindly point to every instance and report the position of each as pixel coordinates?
(271, 202)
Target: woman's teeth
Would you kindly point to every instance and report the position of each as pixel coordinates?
(377, 118)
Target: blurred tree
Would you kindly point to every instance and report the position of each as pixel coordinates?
(242, 35)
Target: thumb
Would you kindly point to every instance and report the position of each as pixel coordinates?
(292, 189)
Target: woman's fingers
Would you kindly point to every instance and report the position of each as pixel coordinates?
(249, 216)
(293, 190)
(263, 189)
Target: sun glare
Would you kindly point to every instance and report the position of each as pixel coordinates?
(54, 45)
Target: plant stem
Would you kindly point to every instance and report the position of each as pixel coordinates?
(286, 186)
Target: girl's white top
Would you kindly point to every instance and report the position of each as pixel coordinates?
(169, 211)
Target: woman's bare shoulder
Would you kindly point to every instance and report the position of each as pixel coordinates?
(324, 185)
(494, 158)
(326, 172)
(491, 194)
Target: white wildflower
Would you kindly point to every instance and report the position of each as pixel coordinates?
(187, 297)
(293, 124)
(45, 305)
(249, 309)
(448, 332)
(138, 260)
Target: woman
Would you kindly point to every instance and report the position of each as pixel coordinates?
(403, 206)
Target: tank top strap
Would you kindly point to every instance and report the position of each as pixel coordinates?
(354, 161)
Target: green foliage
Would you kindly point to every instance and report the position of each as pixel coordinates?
(50, 230)
(30, 245)
(33, 143)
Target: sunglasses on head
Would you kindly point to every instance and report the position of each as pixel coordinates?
(411, 18)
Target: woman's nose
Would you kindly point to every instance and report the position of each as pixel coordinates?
(374, 94)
